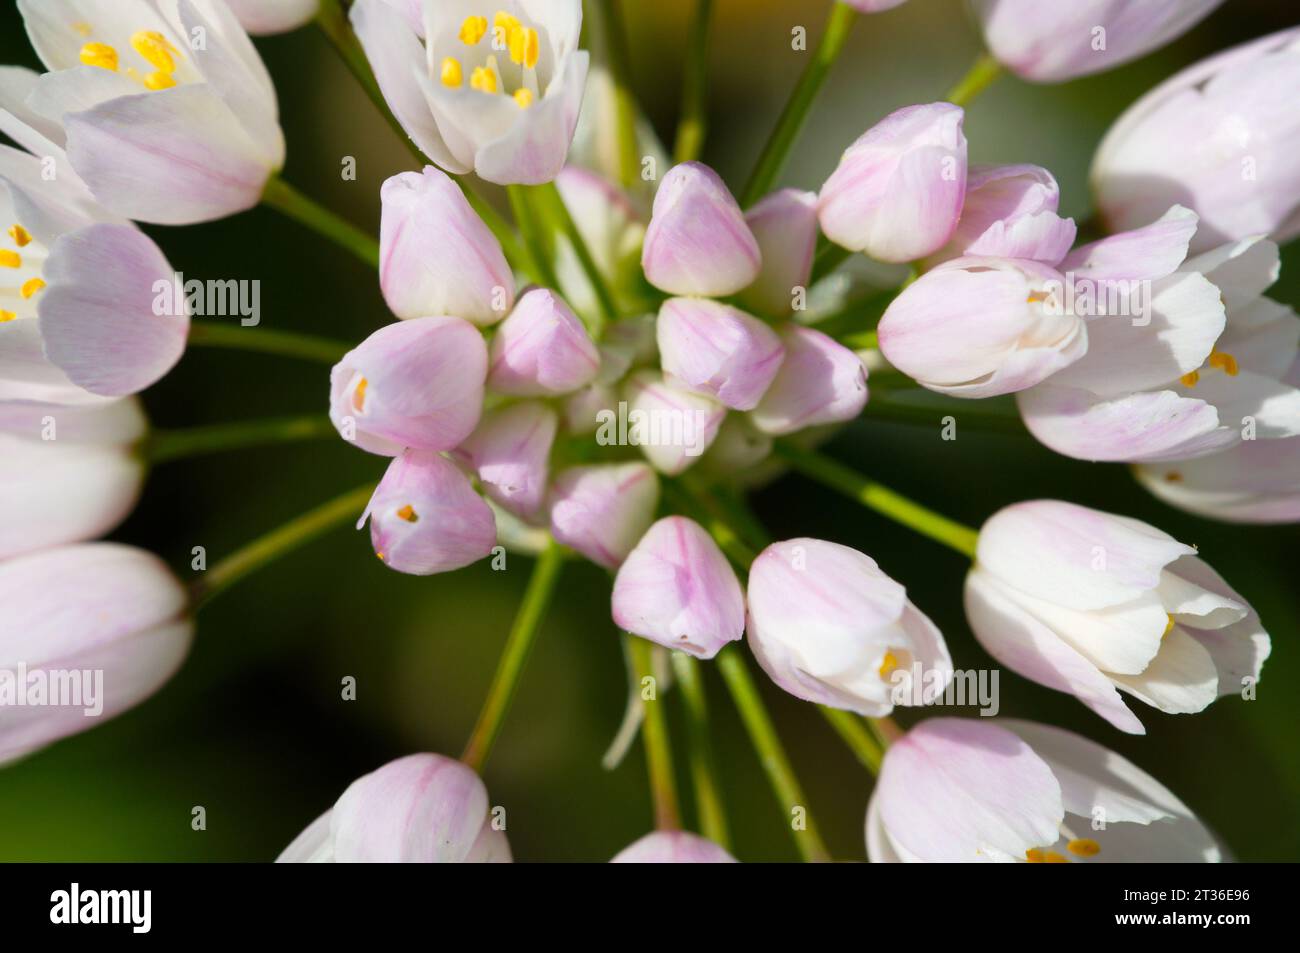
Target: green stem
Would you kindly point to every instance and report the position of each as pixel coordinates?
(284, 198)
(829, 257)
(771, 753)
(266, 549)
(618, 60)
(558, 213)
(880, 498)
(777, 150)
(857, 736)
(163, 446)
(266, 341)
(537, 255)
(704, 769)
(654, 734)
(694, 120)
(983, 71)
(523, 633)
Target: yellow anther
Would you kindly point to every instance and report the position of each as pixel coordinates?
(159, 80)
(10, 259)
(101, 55)
(888, 664)
(359, 395)
(531, 49)
(407, 513)
(483, 79)
(1036, 296)
(6, 316)
(1052, 857)
(1173, 476)
(31, 286)
(505, 22)
(1083, 847)
(473, 30)
(1034, 855)
(452, 74)
(380, 555)
(523, 97)
(1224, 362)
(1189, 380)
(1169, 627)
(154, 49)
(21, 236)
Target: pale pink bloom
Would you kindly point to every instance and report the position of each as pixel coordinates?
(423, 808)
(718, 350)
(1053, 42)
(829, 627)
(1195, 369)
(1220, 137)
(1010, 212)
(425, 517)
(75, 487)
(1093, 604)
(435, 254)
(784, 224)
(542, 349)
(956, 790)
(161, 126)
(510, 452)
(603, 510)
(493, 89)
(672, 426)
(87, 608)
(820, 382)
(698, 242)
(673, 847)
(415, 384)
(980, 327)
(738, 448)
(677, 588)
(897, 192)
(266, 17)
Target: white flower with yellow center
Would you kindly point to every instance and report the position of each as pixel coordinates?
(492, 87)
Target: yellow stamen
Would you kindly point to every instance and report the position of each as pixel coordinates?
(21, 236)
(452, 75)
(6, 316)
(1173, 476)
(505, 22)
(1169, 627)
(483, 79)
(10, 259)
(1037, 296)
(517, 42)
(101, 55)
(473, 30)
(380, 555)
(523, 97)
(407, 513)
(1034, 855)
(888, 664)
(1224, 362)
(1189, 380)
(154, 48)
(1083, 847)
(531, 50)
(31, 286)
(359, 395)
(159, 80)
(1052, 857)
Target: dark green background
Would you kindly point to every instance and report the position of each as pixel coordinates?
(253, 727)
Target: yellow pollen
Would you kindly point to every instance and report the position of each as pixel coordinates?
(6, 316)
(451, 72)
(31, 286)
(159, 80)
(101, 55)
(1083, 847)
(154, 49)
(1224, 362)
(483, 79)
(1037, 296)
(1034, 855)
(473, 30)
(1189, 380)
(531, 51)
(359, 395)
(1052, 857)
(505, 22)
(523, 97)
(407, 513)
(888, 664)
(10, 259)
(21, 236)
(380, 555)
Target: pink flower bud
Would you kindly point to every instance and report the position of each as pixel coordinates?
(435, 254)
(602, 511)
(415, 384)
(829, 627)
(897, 193)
(820, 382)
(672, 426)
(717, 350)
(1010, 212)
(872, 6)
(677, 588)
(86, 632)
(542, 349)
(698, 242)
(423, 808)
(673, 847)
(785, 225)
(979, 327)
(426, 518)
(510, 451)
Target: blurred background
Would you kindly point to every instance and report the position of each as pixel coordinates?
(254, 728)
